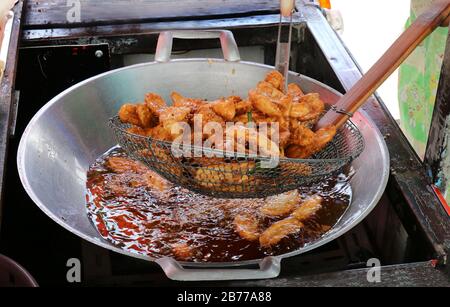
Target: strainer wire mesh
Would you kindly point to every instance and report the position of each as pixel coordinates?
(237, 175)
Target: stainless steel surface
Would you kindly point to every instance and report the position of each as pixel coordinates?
(71, 131)
(227, 41)
(284, 42)
(269, 267)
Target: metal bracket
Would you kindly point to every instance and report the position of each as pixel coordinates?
(14, 112)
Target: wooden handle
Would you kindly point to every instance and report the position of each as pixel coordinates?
(287, 7)
(387, 64)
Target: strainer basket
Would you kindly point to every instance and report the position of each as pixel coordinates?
(236, 175)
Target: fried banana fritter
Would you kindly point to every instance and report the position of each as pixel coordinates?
(226, 108)
(320, 140)
(308, 208)
(293, 112)
(279, 230)
(128, 114)
(180, 101)
(281, 205)
(154, 102)
(292, 224)
(247, 226)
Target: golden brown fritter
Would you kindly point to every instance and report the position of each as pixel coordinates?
(226, 108)
(294, 113)
(269, 90)
(302, 136)
(182, 251)
(321, 139)
(276, 79)
(147, 118)
(295, 91)
(247, 226)
(154, 102)
(180, 101)
(137, 130)
(308, 208)
(264, 104)
(128, 114)
(123, 165)
(243, 107)
(279, 230)
(315, 105)
(281, 205)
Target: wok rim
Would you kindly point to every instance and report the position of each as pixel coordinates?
(99, 241)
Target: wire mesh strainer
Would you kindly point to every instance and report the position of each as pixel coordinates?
(238, 175)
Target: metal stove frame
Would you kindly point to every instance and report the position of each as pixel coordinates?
(411, 209)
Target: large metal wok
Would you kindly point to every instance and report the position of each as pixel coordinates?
(71, 131)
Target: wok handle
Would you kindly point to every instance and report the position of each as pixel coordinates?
(269, 268)
(165, 42)
(386, 65)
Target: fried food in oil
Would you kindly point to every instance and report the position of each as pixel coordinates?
(156, 181)
(247, 226)
(182, 251)
(247, 222)
(132, 174)
(123, 165)
(294, 113)
(233, 174)
(292, 224)
(279, 230)
(308, 208)
(280, 205)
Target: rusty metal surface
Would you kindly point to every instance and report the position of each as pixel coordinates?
(41, 13)
(126, 39)
(6, 93)
(437, 158)
(141, 38)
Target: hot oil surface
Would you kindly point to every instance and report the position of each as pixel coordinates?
(142, 219)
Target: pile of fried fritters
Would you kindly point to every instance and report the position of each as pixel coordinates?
(295, 112)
